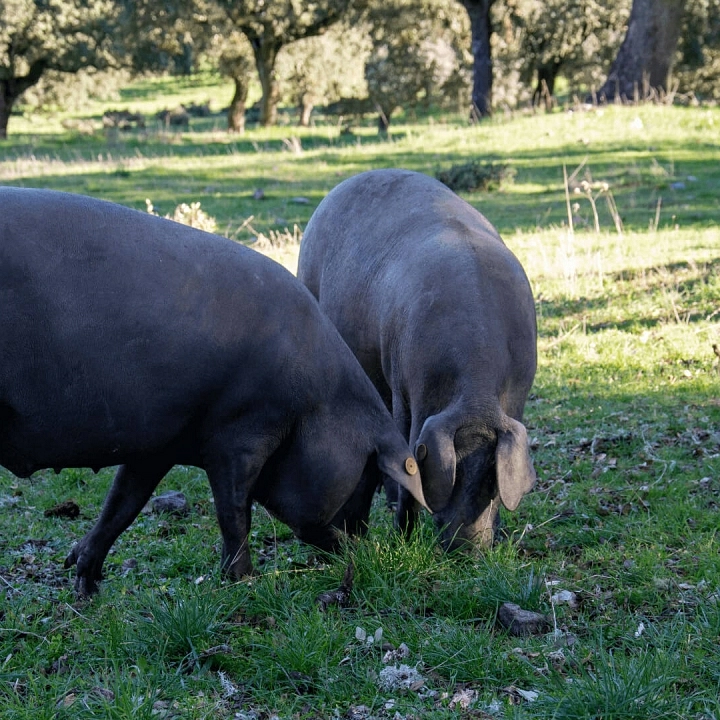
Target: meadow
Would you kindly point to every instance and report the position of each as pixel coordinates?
(615, 214)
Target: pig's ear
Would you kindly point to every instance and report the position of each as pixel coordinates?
(435, 451)
(515, 471)
(404, 470)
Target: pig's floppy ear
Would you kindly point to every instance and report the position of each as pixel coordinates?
(435, 451)
(404, 470)
(515, 471)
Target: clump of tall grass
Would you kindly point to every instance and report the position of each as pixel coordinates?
(181, 627)
(275, 239)
(592, 190)
(192, 215)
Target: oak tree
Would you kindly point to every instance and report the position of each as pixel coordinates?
(269, 25)
(645, 58)
(538, 41)
(38, 36)
(325, 68)
(417, 55)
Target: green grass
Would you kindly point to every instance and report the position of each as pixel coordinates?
(624, 419)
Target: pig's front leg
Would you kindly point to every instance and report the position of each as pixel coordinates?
(131, 489)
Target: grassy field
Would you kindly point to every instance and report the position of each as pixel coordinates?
(618, 545)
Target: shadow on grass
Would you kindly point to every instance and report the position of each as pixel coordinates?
(643, 180)
(207, 137)
(686, 279)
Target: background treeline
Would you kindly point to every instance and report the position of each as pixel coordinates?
(364, 56)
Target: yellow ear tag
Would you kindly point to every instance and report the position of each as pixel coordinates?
(411, 466)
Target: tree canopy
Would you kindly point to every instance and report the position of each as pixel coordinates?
(325, 69)
(41, 35)
(417, 54)
(544, 39)
(384, 53)
(271, 24)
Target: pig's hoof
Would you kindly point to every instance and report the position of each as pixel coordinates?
(85, 587)
(88, 574)
(238, 570)
(238, 574)
(72, 558)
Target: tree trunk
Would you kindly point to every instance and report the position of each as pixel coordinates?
(184, 62)
(305, 107)
(545, 88)
(12, 89)
(265, 56)
(236, 111)
(383, 125)
(481, 29)
(267, 39)
(6, 103)
(645, 57)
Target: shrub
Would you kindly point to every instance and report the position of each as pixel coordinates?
(476, 176)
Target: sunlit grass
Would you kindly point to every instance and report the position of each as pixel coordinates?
(623, 417)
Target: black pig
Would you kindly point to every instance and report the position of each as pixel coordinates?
(441, 316)
(130, 340)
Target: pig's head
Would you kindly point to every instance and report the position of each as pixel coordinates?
(468, 471)
(393, 463)
(321, 482)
